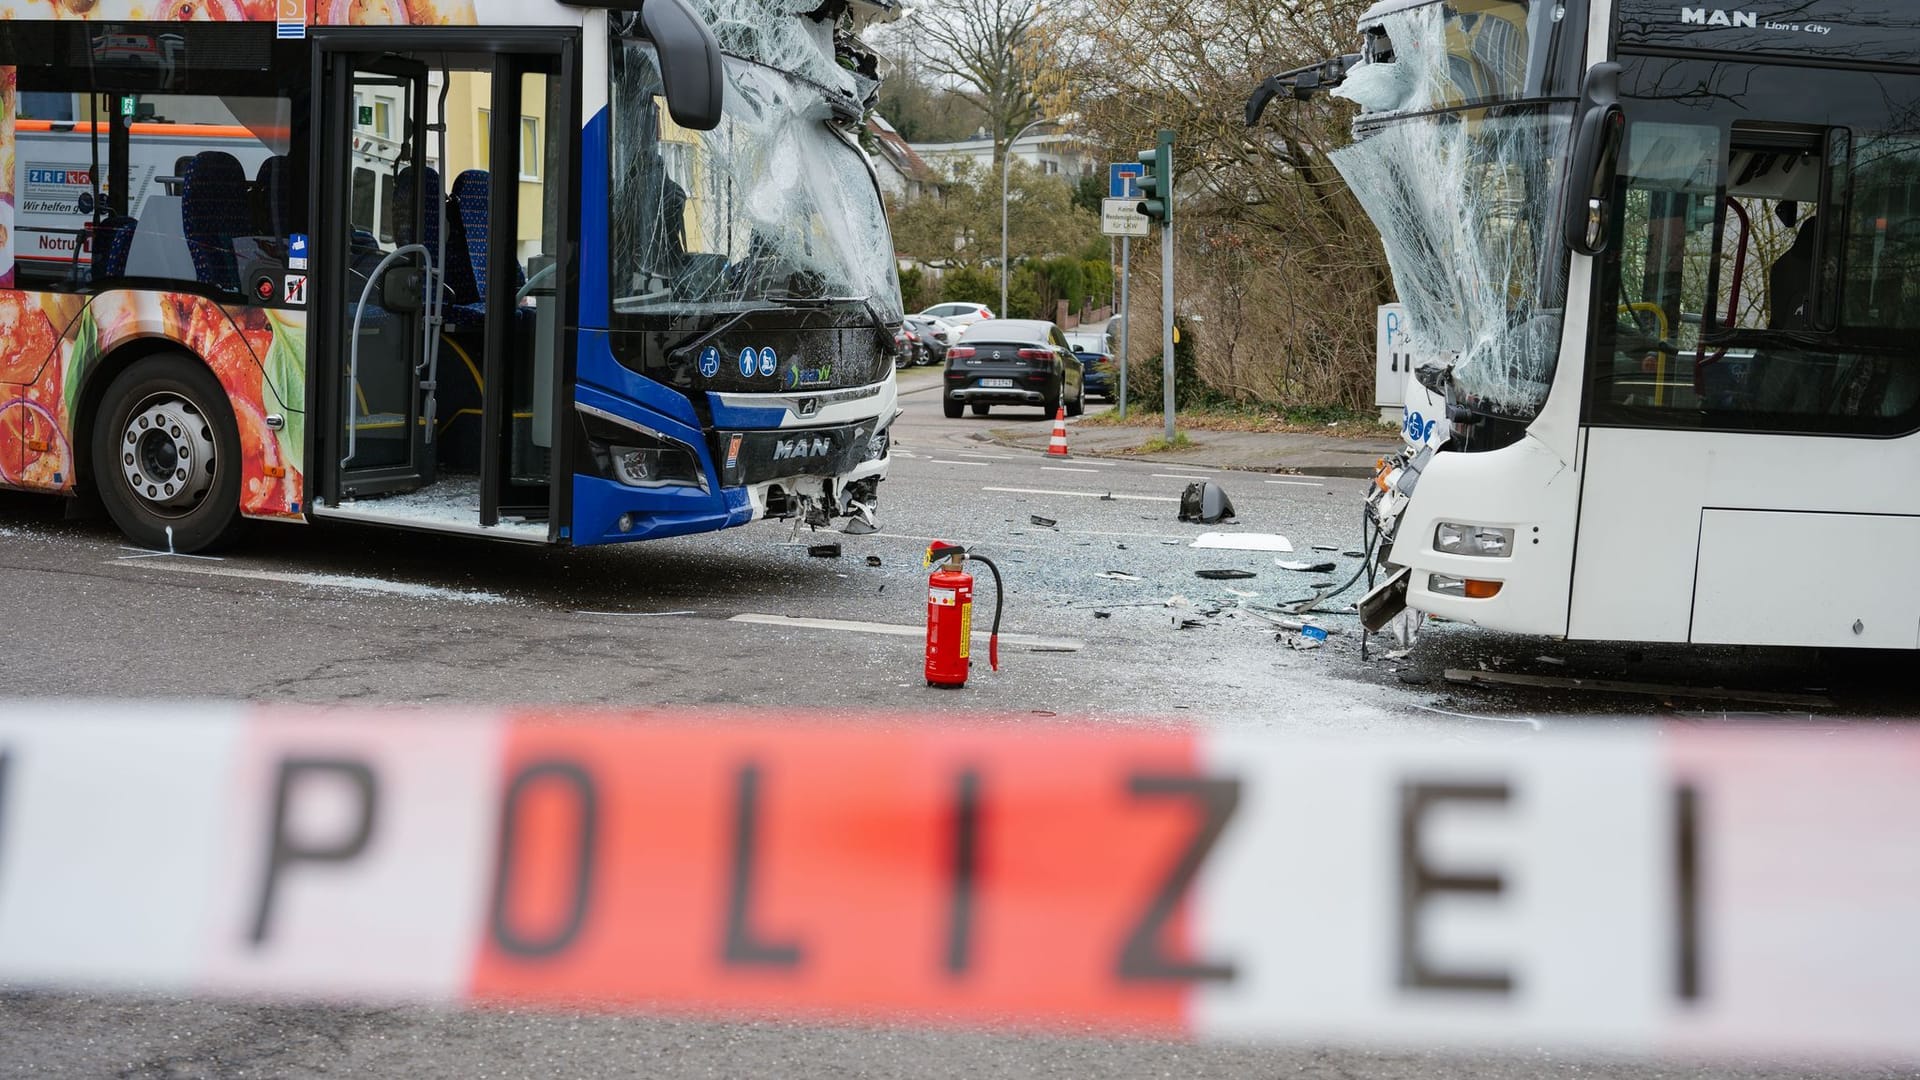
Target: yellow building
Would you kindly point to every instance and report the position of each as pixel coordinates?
(470, 144)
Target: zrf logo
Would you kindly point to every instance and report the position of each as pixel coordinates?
(1718, 17)
(818, 446)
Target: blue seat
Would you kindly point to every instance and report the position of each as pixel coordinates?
(273, 192)
(112, 241)
(461, 288)
(214, 211)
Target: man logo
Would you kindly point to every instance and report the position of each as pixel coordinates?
(1717, 17)
(818, 446)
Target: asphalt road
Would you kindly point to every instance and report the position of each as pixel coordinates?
(337, 613)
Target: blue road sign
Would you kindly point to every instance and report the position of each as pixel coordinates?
(1121, 177)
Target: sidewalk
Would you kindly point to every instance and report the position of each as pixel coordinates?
(1313, 455)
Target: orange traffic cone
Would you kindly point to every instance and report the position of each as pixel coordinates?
(1057, 446)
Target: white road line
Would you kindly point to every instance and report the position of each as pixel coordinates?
(1298, 483)
(896, 630)
(1174, 476)
(962, 542)
(348, 582)
(983, 457)
(1083, 494)
(1064, 468)
(1189, 468)
(945, 461)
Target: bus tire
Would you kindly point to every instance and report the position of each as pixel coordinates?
(166, 455)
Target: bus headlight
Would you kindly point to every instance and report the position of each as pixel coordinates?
(1481, 541)
(653, 466)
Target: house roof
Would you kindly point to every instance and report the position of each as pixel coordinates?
(911, 165)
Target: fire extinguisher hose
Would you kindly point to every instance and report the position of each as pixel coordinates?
(999, 596)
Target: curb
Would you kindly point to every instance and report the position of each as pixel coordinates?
(1336, 472)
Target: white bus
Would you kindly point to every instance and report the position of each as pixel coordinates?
(1672, 257)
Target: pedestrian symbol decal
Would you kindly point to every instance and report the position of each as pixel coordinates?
(748, 361)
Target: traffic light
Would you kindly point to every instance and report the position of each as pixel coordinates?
(1157, 183)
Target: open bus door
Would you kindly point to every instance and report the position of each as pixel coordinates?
(445, 278)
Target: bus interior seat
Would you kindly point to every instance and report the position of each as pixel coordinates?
(112, 241)
(214, 210)
(273, 197)
(470, 199)
(458, 273)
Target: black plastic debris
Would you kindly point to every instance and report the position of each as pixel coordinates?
(824, 551)
(873, 560)
(1307, 567)
(1206, 503)
(1103, 614)
(1043, 522)
(1354, 554)
(1224, 575)
(1108, 497)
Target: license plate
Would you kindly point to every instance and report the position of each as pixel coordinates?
(997, 384)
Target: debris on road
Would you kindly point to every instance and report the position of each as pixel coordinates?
(1206, 503)
(873, 560)
(1243, 542)
(857, 526)
(824, 551)
(1306, 567)
(1119, 575)
(1354, 554)
(1326, 547)
(1224, 575)
(1103, 614)
(1043, 522)
(1616, 686)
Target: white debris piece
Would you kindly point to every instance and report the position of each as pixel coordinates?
(1244, 541)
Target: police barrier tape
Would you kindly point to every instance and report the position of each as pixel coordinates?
(1643, 890)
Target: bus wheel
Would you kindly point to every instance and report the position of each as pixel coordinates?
(166, 455)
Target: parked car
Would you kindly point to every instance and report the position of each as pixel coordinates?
(964, 314)
(1098, 373)
(1013, 362)
(935, 335)
(909, 349)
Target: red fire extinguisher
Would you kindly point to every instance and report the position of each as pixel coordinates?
(950, 615)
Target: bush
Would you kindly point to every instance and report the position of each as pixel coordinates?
(917, 291)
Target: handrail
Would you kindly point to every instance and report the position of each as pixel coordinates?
(359, 312)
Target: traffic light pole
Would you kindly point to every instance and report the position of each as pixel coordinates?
(1166, 319)
(1126, 242)
(1166, 285)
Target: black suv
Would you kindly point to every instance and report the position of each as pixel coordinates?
(1013, 362)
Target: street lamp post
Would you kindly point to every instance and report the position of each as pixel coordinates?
(1006, 170)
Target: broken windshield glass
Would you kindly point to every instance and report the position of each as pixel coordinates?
(1464, 196)
(776, 204)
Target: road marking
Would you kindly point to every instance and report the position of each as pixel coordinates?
(636, 614)
(1173, 476)
(930, 539)
(1298, 483)
(1083, 494)
(1064, 468)
(897, 630)
(945, 461)
(348, 582)
(1190, 468)
(984, 457)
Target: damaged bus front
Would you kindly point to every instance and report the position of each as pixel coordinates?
(1667, 261)
(754, 294)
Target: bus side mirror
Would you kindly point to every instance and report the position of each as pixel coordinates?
(691, 68)
(1597, 135)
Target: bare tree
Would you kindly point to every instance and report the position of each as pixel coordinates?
(993, 53)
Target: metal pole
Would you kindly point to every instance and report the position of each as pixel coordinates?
(1006, 169)
(1126, 242)
(1166, 317)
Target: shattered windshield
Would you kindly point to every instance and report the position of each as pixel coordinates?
(775, 204)
(1464, 195)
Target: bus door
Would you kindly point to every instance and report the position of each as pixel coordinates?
(378, 274)
(450, 267)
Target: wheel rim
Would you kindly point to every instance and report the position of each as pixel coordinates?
(167, 455)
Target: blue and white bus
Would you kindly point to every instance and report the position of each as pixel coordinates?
(546, 272)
